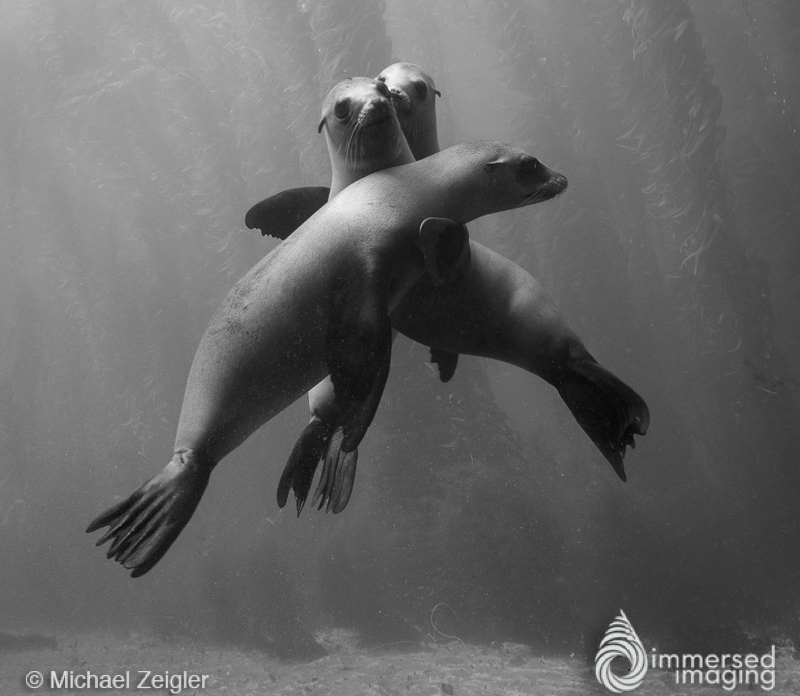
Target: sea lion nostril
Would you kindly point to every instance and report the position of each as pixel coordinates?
(377, 106)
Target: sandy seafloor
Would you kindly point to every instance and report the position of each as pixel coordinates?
(454, 668)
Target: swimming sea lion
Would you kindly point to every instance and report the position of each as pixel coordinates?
(497, 310)
(318, 303)
(363, 135)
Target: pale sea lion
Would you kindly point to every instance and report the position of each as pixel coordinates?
(318, 303)
(363, 136)
(497, 310)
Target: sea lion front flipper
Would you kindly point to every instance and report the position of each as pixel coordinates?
(606, 408)
(445, 246)
(303, 461)
(358, 352)
(281, 214)
(144, 525)
(446, 362)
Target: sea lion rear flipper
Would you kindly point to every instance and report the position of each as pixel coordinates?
(303, 461)
(281, 214)
(446, 362)
(338, 476)
(144, 525)
(606, 408)
(445, 246)
(358, 351)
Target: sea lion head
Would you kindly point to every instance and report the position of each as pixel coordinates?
(361, 125)
(524, 176)
(414, 95)
(494, 176)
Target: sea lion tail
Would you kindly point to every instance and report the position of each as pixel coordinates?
(303, 461)
(144, 525)
(606, 408)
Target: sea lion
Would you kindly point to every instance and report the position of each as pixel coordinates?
(497, 310)
(363, 136)
(415, 116)
(414, 97)
(319, 303)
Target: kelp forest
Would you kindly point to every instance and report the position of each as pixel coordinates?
(134, 136)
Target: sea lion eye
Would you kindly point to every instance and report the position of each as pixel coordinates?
(529, 166)
(380, 85)
(421, 89)
(342, 109)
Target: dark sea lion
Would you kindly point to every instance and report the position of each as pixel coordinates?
(320, 303)
(415, 103)
(497, 310)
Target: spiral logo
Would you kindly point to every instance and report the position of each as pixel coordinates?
(620, 640)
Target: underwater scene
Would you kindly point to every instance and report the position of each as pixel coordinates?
(536, 264)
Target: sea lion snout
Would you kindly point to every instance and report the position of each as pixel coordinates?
(527, 180)
(542, 182)
(376, 109)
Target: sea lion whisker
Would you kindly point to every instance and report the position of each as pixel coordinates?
(358, 149)
(353, 148)
(347, 143)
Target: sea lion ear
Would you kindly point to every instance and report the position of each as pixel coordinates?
(445, 247)
(319, 127)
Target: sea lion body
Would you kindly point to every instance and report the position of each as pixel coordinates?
(268, 336)
(496, 310)
(319, 302)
